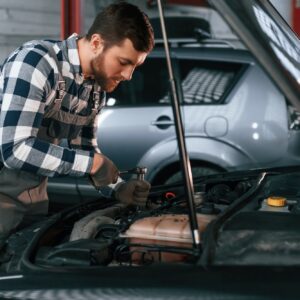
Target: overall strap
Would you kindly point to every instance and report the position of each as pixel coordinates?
(61, 85)
(96, 96)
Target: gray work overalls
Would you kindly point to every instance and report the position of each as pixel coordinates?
(26, 193)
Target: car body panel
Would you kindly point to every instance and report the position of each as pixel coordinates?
(199, 149)
(125, 143)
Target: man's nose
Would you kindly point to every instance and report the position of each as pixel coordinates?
(127, 73)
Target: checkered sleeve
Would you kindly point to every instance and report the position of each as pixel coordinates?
(27, 78)
(87, 140)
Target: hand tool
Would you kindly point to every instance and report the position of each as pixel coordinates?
(139, 171)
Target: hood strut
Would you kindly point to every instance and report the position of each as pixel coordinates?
(186, 165)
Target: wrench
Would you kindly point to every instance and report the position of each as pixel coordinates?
(139, 171)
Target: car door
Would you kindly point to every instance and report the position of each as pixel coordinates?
(138, 115)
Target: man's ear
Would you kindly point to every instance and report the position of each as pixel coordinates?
(97, 43)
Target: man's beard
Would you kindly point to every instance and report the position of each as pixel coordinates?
(106, 84)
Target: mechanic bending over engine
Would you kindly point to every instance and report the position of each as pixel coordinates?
(53, 90)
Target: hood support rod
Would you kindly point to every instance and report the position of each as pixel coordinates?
(186, 165)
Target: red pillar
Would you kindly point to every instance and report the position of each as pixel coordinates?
(71, 17)
(296, 16)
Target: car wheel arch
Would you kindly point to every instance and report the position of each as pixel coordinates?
(208, 155)
(170, 170)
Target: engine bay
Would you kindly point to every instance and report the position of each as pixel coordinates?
(243, 220)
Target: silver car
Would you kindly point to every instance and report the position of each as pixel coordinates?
(229, 119)
(234, 117)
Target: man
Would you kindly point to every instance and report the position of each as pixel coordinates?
(56, 90)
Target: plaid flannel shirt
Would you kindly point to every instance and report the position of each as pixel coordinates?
(27, 86)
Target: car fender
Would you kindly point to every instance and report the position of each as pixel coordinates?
(213, 151)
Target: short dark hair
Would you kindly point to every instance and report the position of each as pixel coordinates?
(123, 20)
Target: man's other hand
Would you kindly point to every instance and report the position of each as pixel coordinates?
(133, 192)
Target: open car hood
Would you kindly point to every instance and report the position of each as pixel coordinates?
(275, 46)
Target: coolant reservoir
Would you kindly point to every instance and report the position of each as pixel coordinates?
(167, 230)
(274, 204)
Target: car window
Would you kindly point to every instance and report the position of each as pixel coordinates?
(205, 82)
(149, 84)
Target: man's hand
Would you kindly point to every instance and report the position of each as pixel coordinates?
(103, 171)
(133, 192)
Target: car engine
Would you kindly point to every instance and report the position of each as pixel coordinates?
(243, 220)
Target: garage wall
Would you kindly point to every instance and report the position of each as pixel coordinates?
(22, 21)
(220, 29)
